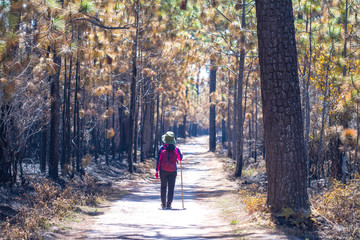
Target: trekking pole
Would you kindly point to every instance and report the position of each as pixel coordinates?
(182, 190)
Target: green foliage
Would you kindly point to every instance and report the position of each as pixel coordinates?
(234, 222)
(53, 4)
(254, 169)
(58, 24)
(4, 5)
(334, 33)
(13, 21)
(2, 46)
(118, 6)
(286, 213)
(87, 6)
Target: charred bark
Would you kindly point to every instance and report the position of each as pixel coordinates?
(55, 120)
(283, 123)
(212, 130)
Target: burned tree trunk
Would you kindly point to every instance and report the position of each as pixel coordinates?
(283, 123)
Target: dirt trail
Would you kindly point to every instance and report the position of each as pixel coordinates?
(138, 215)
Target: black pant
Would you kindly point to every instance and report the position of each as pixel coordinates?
(167, 180)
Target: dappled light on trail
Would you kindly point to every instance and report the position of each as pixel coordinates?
(139, 215)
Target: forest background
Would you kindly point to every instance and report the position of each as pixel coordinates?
(98, 82)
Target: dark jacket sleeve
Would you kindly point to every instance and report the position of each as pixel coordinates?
(181, 156)
(158, 158)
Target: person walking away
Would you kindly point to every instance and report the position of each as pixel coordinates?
(168, 156)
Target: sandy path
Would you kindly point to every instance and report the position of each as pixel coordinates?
(138, 214)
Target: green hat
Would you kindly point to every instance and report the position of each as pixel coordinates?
(169, 138)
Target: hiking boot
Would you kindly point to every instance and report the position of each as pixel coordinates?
(163, 206)
(168, 207)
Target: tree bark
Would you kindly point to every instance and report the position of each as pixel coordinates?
(240, 121)
(136, 125)
(64, 151)
(235, 115)
(256, 122)
(357, 139)
(319, 154)
(346, 35)
(229, 137)
(283, 123)
(223, 131)
(121, 126)
(5, 160)
(133, 92)
(157, 124)
(68, 116)
(142, 121)
(212, 131)
(107, 140)
(55, 119)
(113, 144)
(43, 150)
(307, 103)
(148, 120)
(76, 117)
(344, 168)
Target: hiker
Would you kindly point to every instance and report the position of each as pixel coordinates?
(168, 156)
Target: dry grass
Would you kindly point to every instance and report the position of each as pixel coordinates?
(44, 203)
(335, 211)
(47, 204)
(251, 191)
(340, 206)
(254, 169)
(254, 201)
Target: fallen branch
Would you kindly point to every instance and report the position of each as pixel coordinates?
(97, 23)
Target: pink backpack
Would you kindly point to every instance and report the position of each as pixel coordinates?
(168, 160)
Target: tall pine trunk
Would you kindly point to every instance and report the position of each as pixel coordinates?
(357, 139)
(113, 144)
(133, 91)
(307, 102)
(283, 123)
(64, 151)
(256, 122)
(43, 150)
(344, 168)
(68, 115)
(229, 137)
(235, 115)
(121, 130)
(107, 140)
(76, 117)
(212, 131)
(136, 125)
(319, 153)
(148, 120)
(55, 119)
(157, 124)
(240, 121)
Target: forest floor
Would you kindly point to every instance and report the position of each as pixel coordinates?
(212, 207)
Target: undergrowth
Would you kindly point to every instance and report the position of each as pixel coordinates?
(251, 191)
(254, 169)
(341, 205)
(254, 201)
(335, 211)
(48, 203)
